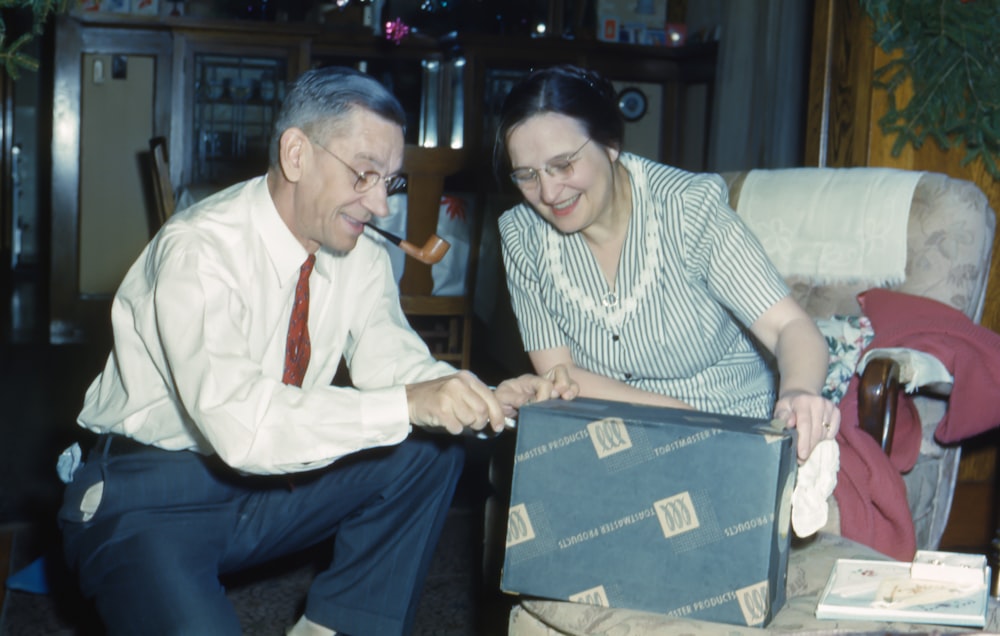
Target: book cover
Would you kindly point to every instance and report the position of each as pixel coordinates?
(885, 590)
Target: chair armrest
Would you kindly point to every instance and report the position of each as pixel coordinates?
(877, 398)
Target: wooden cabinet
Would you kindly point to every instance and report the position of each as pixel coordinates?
(213, 87)
(843, 131)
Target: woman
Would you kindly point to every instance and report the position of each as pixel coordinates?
(638, 276)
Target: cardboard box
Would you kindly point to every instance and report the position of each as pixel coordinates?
(145, 7)
(663, 510)
(105, 6)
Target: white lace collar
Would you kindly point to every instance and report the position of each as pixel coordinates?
(611, 308)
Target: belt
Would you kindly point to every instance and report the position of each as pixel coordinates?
(114, 445)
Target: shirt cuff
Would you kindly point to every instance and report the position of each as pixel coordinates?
(385, 415)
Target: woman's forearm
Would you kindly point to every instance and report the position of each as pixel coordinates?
(803, 358)
(594, 385)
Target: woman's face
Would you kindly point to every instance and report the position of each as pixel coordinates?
(565, 176)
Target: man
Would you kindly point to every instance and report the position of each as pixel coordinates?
(221, 442)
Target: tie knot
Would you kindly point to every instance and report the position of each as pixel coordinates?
(307, 267)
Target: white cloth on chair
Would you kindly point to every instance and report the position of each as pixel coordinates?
(814, 484)
(832, 224)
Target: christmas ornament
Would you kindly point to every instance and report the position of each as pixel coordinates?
(396, 30)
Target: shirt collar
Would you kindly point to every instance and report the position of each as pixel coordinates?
(283, 249)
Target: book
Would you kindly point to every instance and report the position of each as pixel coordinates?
(887, 591)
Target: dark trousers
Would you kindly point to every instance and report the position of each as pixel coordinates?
(169, 523)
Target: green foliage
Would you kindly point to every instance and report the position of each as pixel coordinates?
(951, 54)
(12, 54)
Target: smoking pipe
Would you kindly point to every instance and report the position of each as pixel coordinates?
(432, 252)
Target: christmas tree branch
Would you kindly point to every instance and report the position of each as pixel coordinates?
(12, 56)
(950, 55)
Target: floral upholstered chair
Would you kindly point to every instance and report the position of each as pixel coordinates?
(946, 230)
(949, 228)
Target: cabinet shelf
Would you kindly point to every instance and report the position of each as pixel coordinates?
(358, 39)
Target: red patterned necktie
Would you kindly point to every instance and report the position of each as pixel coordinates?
(297, 345)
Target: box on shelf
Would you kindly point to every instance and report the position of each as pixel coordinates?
(145, 7)
(106, 6)
(632, 21)
(664, 510)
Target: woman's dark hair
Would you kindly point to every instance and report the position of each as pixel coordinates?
(566, 90)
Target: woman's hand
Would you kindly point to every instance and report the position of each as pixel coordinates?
(815, 417)
(516, 392)
(803, 357)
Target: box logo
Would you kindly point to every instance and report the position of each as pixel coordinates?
(754, 602)
(519, 527)
(676, 514)
(593, 596)
(609, 436)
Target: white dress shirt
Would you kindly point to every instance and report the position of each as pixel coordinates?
(200, 323)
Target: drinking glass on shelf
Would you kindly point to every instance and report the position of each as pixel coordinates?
(267, 89)
(215, 89)
(239, 89)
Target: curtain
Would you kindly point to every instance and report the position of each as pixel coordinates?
(761, 83)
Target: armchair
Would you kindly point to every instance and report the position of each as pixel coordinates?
(949, 230)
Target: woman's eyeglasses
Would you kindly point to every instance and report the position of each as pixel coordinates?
(560, 168)
(369, 179)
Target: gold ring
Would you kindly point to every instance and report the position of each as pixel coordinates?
(827, 426)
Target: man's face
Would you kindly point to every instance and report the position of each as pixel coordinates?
(328, 210)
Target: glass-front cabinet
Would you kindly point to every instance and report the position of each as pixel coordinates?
(228, 96)
(236, 98)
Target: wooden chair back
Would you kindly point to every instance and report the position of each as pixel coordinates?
(163, 189)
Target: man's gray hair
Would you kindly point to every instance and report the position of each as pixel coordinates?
(321, 99)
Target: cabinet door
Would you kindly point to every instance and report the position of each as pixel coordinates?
(231, 94)
(236, 98)
(110, 91)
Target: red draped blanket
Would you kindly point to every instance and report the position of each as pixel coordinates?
(870, 490)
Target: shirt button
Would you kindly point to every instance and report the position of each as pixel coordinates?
(615, 338)
(628, 376)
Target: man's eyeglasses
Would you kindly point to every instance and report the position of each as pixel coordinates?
(558, 168)
(369, 179)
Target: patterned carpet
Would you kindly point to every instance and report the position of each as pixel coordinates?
(269, 601)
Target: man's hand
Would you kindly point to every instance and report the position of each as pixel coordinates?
(461, 401)
(454, 402)
(516, 392)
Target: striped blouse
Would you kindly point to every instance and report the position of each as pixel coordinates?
(691, 276)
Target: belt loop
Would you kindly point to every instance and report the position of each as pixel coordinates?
(104, 445)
